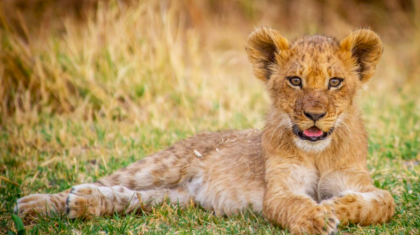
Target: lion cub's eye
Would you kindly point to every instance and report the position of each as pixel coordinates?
(295, 81)
(335, 82)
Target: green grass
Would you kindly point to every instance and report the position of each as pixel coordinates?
(85, 100)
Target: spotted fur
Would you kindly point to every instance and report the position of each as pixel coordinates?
(306, 187)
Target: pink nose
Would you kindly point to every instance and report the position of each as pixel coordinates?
(314, 116)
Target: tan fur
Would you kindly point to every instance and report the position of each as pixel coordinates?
(306, 187)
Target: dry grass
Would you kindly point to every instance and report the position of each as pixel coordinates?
(86, 92)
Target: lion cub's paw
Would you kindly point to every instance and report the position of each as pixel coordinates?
(84, 201)
(32, 205)
(319, 219)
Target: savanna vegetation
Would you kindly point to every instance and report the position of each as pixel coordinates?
(86, 87)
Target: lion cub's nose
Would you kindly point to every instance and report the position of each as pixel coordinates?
(314, 116)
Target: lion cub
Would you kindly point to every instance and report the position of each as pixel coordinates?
(306, 170)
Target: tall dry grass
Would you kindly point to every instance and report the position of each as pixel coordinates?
(123, 63)
(124, 59)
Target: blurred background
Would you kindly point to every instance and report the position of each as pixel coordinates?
(61, 56)
(88, 86)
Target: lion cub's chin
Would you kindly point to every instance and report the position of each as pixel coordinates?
(312, 147)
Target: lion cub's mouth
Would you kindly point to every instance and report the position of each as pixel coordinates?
(312, 134)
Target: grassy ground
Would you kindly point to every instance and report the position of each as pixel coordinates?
(79, 102)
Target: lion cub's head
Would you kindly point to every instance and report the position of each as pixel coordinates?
(313, 80)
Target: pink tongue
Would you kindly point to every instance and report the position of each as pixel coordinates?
(312, 132)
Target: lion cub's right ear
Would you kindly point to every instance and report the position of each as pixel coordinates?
(264, 47)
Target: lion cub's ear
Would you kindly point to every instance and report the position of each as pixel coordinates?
(366, 48)
(263, 47)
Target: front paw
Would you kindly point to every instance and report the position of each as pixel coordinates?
(319, 219)
(347, 206)
(363, 208)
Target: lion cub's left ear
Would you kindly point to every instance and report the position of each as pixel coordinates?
(366, 48)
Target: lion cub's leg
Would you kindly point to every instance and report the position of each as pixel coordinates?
(354, 198)
(288, 200)
(88, 200)
(163, 169)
